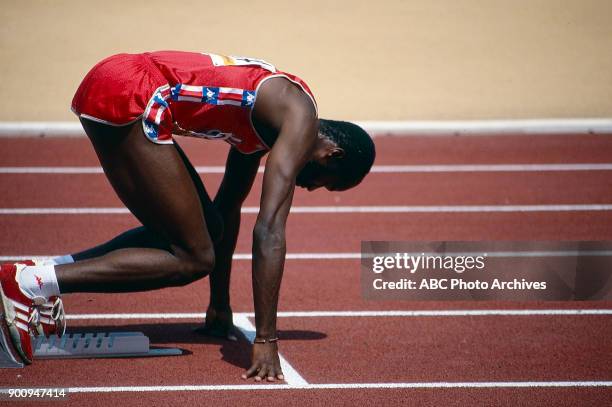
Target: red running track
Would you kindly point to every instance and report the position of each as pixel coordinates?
(525, 188)
(340, 349)
(56, 234)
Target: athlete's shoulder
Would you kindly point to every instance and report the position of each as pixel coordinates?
(280, 99)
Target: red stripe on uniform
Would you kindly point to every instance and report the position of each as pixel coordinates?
(230, 96)
(192, 93)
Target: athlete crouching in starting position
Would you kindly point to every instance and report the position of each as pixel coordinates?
(130, 105)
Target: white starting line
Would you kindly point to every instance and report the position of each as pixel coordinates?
(340, 386)
(339, 209)
(375, 169)
(333, 386)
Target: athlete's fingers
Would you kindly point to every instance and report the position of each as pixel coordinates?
(272, 375)
(262, 373)
(249, 373)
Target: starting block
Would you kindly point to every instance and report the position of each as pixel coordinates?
(86, 345)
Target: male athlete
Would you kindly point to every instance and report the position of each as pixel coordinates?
(130, 105)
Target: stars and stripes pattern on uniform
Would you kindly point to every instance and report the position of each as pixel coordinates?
(154, 116)
(158, 105)
(213, 95)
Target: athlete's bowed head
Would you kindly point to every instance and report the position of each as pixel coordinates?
(342, 158)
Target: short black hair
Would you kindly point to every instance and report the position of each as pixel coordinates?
(359, 151)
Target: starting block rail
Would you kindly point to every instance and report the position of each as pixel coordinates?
(86, 345)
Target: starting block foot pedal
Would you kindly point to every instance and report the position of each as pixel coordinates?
(97, 345)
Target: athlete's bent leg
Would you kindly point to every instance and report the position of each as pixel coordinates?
(139, 237)
(143, 237)
(154, 183)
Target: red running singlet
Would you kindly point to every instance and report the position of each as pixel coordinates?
(187, 93)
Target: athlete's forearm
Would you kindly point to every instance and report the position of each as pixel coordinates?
(269, 249)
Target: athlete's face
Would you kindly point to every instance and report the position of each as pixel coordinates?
(322, 169)
(315, 175)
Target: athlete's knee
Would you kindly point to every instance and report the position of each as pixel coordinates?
(196, 265)
(205, 263)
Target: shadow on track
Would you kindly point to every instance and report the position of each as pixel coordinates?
(236, 353)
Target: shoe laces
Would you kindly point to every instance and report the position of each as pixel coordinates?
(34, 318)
(54, 314)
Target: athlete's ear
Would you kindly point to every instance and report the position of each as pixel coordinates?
(335, 152)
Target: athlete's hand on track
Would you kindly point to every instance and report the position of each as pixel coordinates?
(219, 324)
(265, 363)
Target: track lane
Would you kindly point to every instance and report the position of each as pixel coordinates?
(93, 190)
(451, 349)
(506, 149)
(307, 286)
(58, 234)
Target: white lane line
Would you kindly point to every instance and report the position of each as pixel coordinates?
(237, 256)
(500, 254)
(91, 170)
(375, 169)
(495, 128)
(531, 127)
(292, 377)
(331, 386)
(27, 257)
(306, 256)
(357, 255)
(63, 211)
(51, 170)
(446, 313)
(355, 314)
(449, 209)
(339, 209)
(490, 168)
(183, 315)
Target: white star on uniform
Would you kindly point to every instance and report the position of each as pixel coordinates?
(149, 129)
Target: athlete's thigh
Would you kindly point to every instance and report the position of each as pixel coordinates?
(153, 182)
(212, 216)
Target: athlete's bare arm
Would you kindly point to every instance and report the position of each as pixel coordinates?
(285, 107)
(240, 172)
